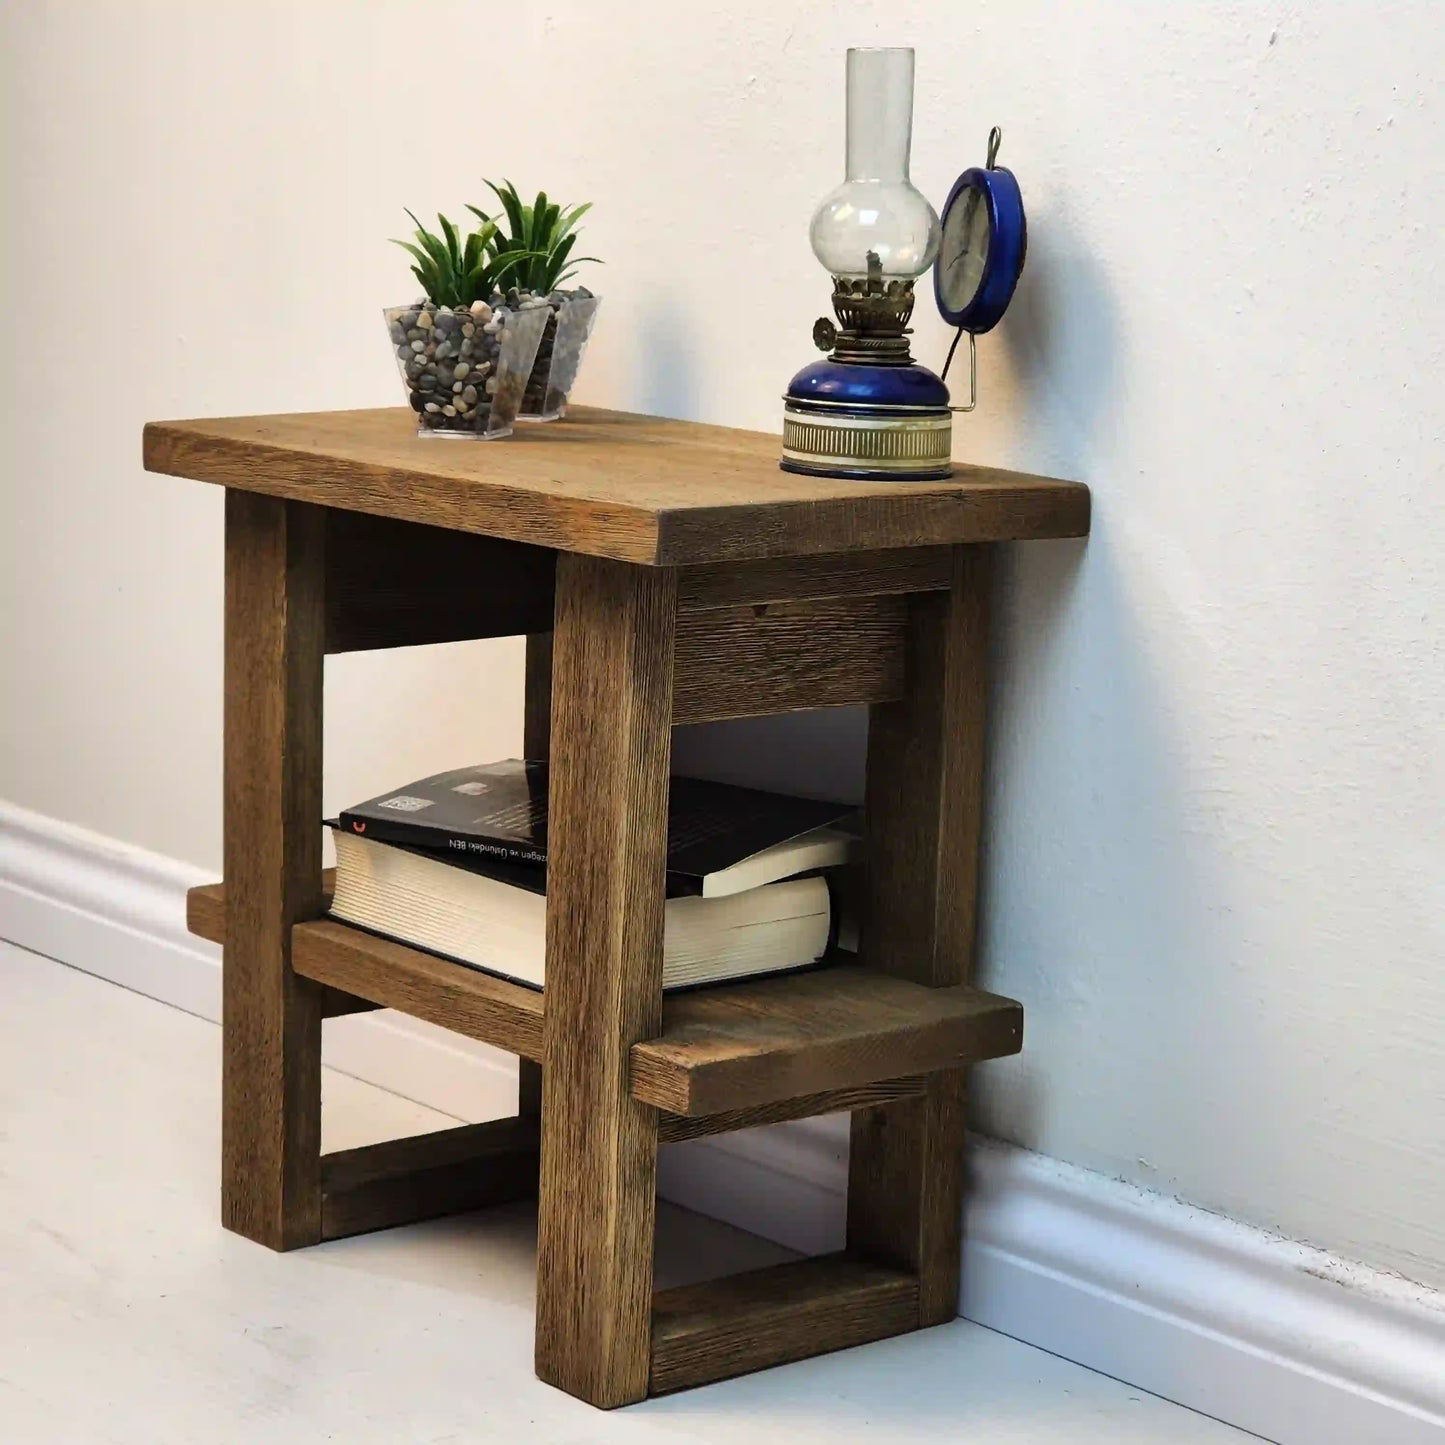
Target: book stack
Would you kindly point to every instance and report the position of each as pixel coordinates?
(457, 864)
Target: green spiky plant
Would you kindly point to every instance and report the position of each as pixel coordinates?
(456, 272)
(538, 240)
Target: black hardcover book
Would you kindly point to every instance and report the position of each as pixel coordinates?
(498, 812)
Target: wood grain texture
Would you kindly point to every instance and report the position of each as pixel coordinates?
(674, 1128)
(726, 1327)
(640, 489)
(420, 984)
(804, 579)
(788, 657)
(271, 1019)
(404, 1180)
(924, 802)
(536, 743)
(537, 698)
(753, 1044)
(611, 741)
(398, 584)
(924, 795)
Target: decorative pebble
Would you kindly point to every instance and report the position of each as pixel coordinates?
(450, 356)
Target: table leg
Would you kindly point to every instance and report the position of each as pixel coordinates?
(924, 808)
(271, 1018)
(611, 744)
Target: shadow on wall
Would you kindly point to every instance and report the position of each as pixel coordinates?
(1060, 341)
(1098, 909)
(668, 384)
(1103, 906)
(818, 754)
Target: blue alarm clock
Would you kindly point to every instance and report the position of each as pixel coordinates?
(985, 238)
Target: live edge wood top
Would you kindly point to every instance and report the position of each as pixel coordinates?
(610, 484)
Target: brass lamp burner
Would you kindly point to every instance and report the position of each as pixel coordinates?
(874, 318)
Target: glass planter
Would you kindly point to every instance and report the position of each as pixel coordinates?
(559, 358)
(465, 371)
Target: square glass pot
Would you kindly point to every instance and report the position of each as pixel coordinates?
(465, 371)
(559, 358)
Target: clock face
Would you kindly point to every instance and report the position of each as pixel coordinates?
(967, 237)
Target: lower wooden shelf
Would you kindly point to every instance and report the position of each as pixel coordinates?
(725, 1327)
(403, 1180)
(735, 1051)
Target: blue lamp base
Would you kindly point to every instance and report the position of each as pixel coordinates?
(869, 423)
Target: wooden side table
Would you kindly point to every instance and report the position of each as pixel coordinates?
(664, 573)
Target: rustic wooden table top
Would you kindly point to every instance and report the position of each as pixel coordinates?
(609, 484)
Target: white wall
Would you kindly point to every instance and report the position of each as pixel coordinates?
(1215, 869)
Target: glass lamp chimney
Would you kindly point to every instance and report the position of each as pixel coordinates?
(876, 224)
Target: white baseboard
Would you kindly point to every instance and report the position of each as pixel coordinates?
(119, 912)
(1271, 1336)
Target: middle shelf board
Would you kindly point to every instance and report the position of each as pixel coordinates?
(727, 1047)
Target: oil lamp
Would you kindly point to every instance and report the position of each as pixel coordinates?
(869, 410)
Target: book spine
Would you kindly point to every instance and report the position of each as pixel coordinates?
(438, 840)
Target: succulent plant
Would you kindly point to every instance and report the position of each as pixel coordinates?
(539, 238)
(456, 272)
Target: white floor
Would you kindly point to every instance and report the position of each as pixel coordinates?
(128, 1315)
